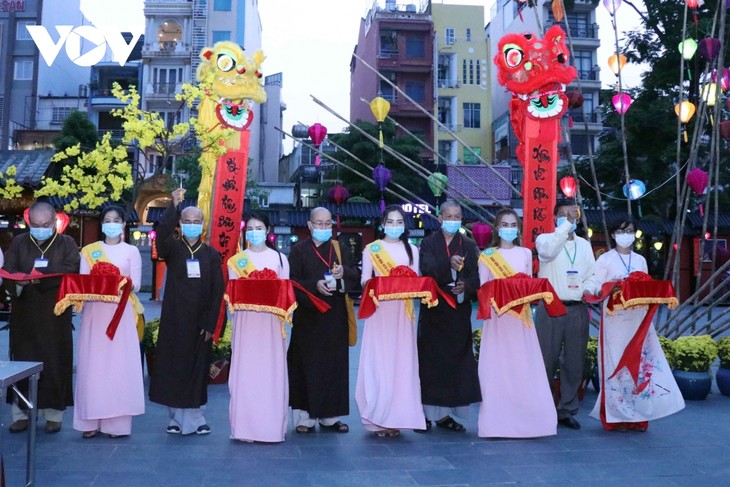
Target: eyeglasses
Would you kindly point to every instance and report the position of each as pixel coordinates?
(323, 224)
(628, 231)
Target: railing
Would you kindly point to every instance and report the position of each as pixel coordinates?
(164, 88)
(591, 75)
(589, 117)
(388, 53)
(390, 97)
(448, 83)
(581, 31)
(454, 127)
(117, 134)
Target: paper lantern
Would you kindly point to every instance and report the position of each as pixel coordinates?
(317, 133)
(697, 180)
(568, 186)
(338, 195)
(62, 220)
(687, 48)
(709, 48)
(685, 110)
(692, 3)
(725, 130)
(437, 183)
(709, 93)
(575, 99)
(482, 234)
(621, 102)
(26, 216)
(558, 10)
(635, 189)
(380, 108)
(381, 176)
(616, 62)
(612, 6)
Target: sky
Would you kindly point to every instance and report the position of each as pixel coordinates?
(312, 44)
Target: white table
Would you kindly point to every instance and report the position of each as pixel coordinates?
(10, 374)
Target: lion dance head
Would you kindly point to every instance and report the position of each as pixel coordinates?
(536, 71)
(234, 81)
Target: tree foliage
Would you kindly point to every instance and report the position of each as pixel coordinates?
(369, 152)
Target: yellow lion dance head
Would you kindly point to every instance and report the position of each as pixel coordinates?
(234, 80)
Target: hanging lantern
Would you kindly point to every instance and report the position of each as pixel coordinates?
(685, 110)
(709, 48)
(62, 220)
(724, 79)
(616, 62)
(621, 102)
(380, 108)
(697, 180)
(575, 99)
(709, 93)
(568, 186)
(612, 6)
(634, 190)
(26, 216)
(317, 133)
(558, 10)
(692, 3)
(338, 195)
(381, 176)
(725, 130)
(437, 183)
(687, 48)
(482, 234)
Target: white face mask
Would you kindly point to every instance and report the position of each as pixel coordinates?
(625, 240)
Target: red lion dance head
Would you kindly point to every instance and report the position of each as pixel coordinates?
(536, 71)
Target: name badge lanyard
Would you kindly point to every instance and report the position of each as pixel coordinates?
(573, 282)
(192, 252)
(193, 264)
(627, 267)
(42, 260)
(327, 262)
(575, 252)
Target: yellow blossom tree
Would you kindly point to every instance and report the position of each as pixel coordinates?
(9, 188)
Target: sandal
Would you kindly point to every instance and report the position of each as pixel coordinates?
(449, 424)
(338, 427)
(303, 430)
(89, 434)
(392, 433)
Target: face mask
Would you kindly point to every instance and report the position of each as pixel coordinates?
(255, 237)
(625, 240)
(41, 233)
(563, 219)
(112, 230)
(451, 226)
(394, 232)
(191, 230)
(508, 234)
(322, 234)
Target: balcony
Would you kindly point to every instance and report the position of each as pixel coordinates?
(589, 75)
(589, 117)
(388, 53)
(117, 134)
(166, 89)
(448, 83)
(453, 127)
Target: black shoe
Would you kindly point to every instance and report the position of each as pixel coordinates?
(429, 425)
(19, 426)
(569, 422)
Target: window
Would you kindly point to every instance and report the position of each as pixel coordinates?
(583, 62)
(170, 118)
(21, 33)
(59, 114)
(222, 5)
(579, 144)
(388, 43)
(221, 35)
(472, 115)
(450, 35)
(469, 157)
(468, 34)
(165, 80)
(157, 161)
(416, 90)
(23, 70)
(415, 47)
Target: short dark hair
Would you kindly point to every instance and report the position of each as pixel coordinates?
(563, 202)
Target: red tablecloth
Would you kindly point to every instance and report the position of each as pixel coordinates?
(514, 293)
(396, 288)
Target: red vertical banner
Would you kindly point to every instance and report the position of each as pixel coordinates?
(229, 191)
(540, 158)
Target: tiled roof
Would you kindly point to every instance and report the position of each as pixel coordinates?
(488, 186)
(723, 220)
(155, 212)
(59, 202)
(30, 165)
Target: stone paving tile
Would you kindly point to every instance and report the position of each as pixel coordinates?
(464, 476)
(494, 460)
(361, 479)
(402, 463)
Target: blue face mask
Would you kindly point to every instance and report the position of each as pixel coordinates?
(322, 234)
(451, 226)
(563, 219)
(394, 232)
(112, 230)
(41, 233)
(256, 237)
(508, 234)
(191, 230)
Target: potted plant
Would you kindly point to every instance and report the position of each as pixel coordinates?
(722, 377)
(477, 338)
(590, 365)
(667, 345)
(220, 361)
(693, 356)
(149, 342)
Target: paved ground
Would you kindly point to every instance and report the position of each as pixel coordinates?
(691, 448)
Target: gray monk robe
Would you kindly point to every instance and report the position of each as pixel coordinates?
(36, 334)
(446, 363)
(318, 356)
(182, 357)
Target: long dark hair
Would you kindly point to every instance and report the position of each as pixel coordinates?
(404, 236)
(620, 225)
(498, 219)
(263, 218)
(115, 208)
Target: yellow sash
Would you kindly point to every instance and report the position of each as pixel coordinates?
(500, 269)
(95, 253)
(384, 263)
(241, 263)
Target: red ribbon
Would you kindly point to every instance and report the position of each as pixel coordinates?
(515, 292)
(400, 282)
(260, 289)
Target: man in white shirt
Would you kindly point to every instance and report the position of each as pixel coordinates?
(567, 261)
